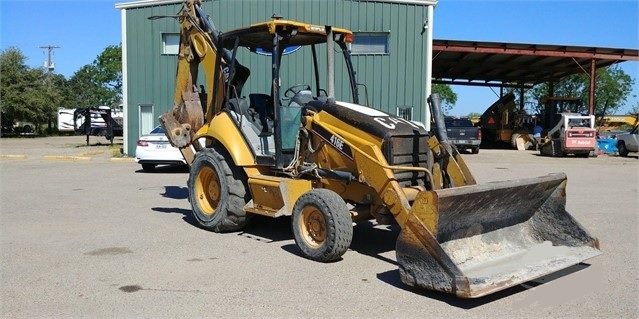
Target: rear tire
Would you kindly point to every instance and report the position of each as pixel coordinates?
(218, 191)
(623, 150)
(322, 225)
(148, 167)
(475, 150)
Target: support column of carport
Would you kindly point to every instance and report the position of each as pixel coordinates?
(591, 94)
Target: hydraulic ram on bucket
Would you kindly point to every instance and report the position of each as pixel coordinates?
(488, 237)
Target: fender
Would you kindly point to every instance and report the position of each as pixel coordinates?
(222, 129)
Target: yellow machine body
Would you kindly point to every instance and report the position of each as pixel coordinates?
(337, 163)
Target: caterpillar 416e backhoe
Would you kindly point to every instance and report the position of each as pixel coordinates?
(329, 164)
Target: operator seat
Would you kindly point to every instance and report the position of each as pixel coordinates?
(263, 105)
(301, 98)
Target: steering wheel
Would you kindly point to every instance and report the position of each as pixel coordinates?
(290, 92)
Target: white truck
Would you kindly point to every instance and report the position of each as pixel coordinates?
(628, 142)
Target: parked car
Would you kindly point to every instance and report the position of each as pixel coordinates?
(463, 134)
(628, 142)
(154, 149)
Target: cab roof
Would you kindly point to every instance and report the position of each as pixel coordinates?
(260, 35)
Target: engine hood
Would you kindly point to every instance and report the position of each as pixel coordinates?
(370, 120)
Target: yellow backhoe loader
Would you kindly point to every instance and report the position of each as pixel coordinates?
(330, 164)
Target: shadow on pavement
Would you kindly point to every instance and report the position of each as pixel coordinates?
(179, 193)
(373, 240)
(267, 229)
(165, 169)
(176, 192)
(368, 239)
(186, 214)
(392, 278)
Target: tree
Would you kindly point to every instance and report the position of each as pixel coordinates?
(37, 97)
(612, 89)
(99, 83)
(447, 96)
(33, 95)
(13, 84)
(27, 94)
(84, 90)
(109, 70)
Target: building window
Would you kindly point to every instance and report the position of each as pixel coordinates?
(370, 43)
(170, 43)
(146, 118)
(405, 112)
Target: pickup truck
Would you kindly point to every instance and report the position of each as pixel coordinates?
(463, 134)
(628, 142)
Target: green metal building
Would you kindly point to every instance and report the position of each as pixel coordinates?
(390, 46)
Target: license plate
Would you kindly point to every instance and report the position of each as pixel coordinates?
(462, 142)
(160, 146)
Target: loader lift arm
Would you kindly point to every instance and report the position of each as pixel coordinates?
(467, 239)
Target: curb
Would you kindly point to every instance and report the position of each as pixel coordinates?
(13, 157)
(123, 159)
(92, 153)
(67, 158)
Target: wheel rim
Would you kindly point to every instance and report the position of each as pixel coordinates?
(313, 226)
(207, 190)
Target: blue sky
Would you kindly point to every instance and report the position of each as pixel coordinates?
(82, 29)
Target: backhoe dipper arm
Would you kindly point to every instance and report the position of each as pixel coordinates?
(196, 47)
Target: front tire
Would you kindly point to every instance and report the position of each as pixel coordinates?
(623, 150)
(322, 225)
(218, 191)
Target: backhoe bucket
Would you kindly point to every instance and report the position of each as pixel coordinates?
(475, 240)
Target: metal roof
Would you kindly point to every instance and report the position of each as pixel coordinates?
(260, 35)
(494, 63)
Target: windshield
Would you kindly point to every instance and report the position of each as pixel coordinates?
(458, 123)
(157, 130)
(303, 62)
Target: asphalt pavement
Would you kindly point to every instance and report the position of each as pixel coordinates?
(100, 238)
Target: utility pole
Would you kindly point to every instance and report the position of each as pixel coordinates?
(49, 63)
(50, 67)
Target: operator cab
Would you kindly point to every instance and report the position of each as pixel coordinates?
(553, 107)
(268, 115)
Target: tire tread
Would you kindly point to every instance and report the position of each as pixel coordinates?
(338, 220)
(232, 216)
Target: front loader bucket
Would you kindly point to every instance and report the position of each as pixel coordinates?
(475, 240)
